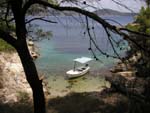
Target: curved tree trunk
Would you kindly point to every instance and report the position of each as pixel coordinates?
(26, 59)
(32, 78)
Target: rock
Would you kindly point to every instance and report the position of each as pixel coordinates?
(10, 98)
(116, 69)
(127, 73)
(135, 58)
(64, 91)
(28, 90)
(13, 77)
(12, 74)
(34, 55)
(127, 86)
(32, 49)
(42, 77)
(30, 43)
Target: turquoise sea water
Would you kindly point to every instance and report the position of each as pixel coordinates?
(70, 41)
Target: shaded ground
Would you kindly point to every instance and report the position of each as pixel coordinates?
(88, 103)
(23, 105)
(16, 108)
(74, 103)
(106, 102)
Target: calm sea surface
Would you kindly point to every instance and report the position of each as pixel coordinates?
(69, 41)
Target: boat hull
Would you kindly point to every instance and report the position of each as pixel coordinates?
(77, 73)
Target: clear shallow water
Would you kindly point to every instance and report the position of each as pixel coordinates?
(60, 87)
(69, 42)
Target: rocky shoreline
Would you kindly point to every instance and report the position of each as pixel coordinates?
(12, 77)
(125, 80)
(124, 76)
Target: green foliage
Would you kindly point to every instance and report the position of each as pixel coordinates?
(142, 24)
(5, 46)
(134, 27)
(4, 27)
(144, 20)
(148, 31)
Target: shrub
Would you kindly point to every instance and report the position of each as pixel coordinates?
(4, 46)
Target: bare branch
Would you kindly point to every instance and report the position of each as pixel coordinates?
(40, 19)
(75, 9)
(122, 5)
(92, 40)
(112, 45)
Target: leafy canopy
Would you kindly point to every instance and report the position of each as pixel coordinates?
(144, 20)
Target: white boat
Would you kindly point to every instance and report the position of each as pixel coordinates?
(79, 71)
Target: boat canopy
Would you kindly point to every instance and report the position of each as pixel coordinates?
(83, 60)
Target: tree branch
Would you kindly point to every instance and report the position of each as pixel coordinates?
(134, 32)
(75, 9)
(94, 43)
(40, 19)
(111, 43)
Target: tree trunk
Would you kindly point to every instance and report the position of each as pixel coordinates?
(32, 78)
